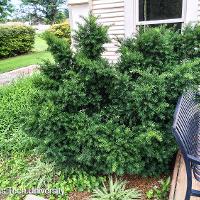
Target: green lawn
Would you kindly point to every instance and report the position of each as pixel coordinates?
(38, 54)
(40, 44)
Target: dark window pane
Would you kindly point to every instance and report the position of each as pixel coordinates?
(159, 9)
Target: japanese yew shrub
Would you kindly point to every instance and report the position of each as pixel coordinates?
(90, 37)
(187, 44)
(104, 118)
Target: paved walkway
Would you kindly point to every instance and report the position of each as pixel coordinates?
(9, 77)
(179, 181)
(33, 197)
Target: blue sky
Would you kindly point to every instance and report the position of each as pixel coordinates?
(15, 2)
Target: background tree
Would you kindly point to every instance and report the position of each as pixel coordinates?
(62, 16)
(5, 9)
(49, 9)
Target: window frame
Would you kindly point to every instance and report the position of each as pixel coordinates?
(165, 21)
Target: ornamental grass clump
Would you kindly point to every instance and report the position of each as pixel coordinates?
(106, 118)
(115, 190)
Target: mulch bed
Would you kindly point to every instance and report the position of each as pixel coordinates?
(79, 196)
(142, 184)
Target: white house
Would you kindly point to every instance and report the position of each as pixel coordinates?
(125, 16)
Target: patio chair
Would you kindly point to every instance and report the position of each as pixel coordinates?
(186, 131)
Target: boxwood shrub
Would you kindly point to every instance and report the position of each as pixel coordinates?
(105, 118)
(16, 40)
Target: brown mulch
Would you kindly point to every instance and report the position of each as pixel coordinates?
(79, 196)
(142, 184)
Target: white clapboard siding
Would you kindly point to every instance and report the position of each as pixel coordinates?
(107, 5)
(111, 13)
(112, 23)
(113, 27)
(98, 2)
(199, 10)
(111, 45)
(111, 20)
(109, 10)
(111, 56)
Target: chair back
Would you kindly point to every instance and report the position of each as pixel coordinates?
(186, 128)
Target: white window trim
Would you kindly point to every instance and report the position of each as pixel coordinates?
(130, 18)
(165, 21)
(189, 15)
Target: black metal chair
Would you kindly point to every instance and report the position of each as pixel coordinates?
(186, 129)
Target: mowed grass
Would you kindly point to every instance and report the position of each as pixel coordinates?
(40, 44)
(23, 61)
(37, 56)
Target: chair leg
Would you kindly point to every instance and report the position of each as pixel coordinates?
(189, 180)
(188, 193)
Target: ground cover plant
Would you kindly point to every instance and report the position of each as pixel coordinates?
(160, 192)
(104, 118)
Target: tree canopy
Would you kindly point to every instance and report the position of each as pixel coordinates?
(49, 9)
(5, 9)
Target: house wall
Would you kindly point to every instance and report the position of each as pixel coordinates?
(192, 11)
(77, 8)
(111, 13)
(199, 10)
(120, 15)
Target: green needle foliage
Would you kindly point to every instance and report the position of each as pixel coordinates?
(91, 37)
(103, 118)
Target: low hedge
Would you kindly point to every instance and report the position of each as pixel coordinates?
(16, 40)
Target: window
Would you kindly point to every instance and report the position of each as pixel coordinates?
(155, 12)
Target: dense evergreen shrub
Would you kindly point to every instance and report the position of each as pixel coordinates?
(63, 57)
(16, 40)
(105, 118)
(90, 37)
(156, 49)
(152, 49)
(187, 44)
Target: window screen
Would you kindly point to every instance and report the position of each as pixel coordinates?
(175, 26)
(159, 9)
